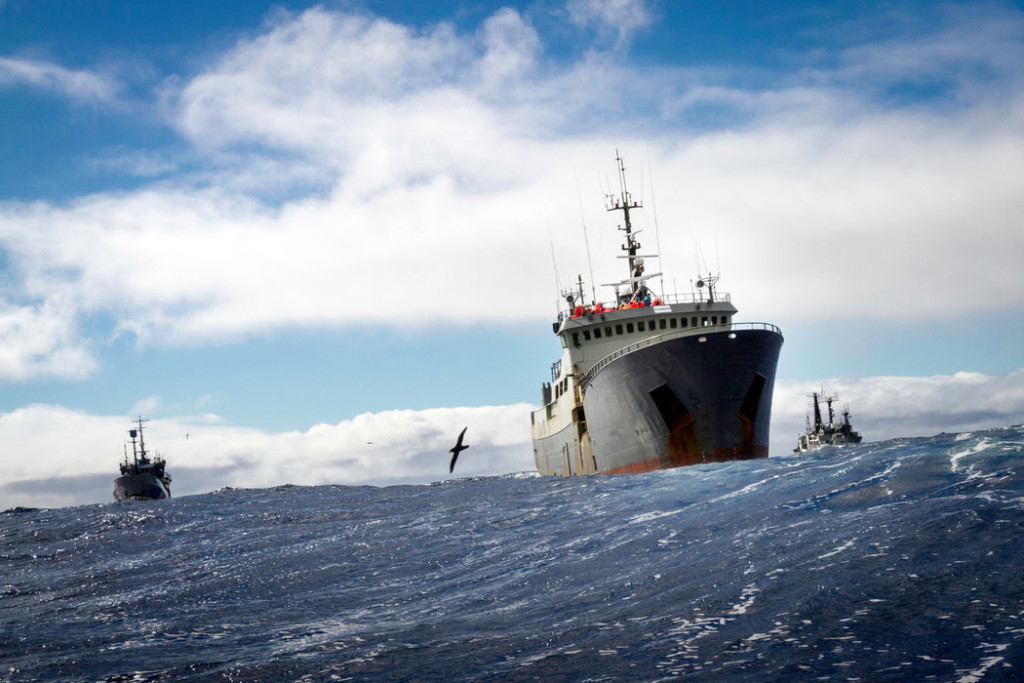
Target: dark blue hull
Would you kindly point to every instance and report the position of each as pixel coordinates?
(684, 401)
(140, 487)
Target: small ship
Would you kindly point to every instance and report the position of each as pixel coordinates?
(141, 478)
(826, 434)
(653, 380)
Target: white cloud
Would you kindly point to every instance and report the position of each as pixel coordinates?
(619, 18)
(42, 341)
(315, 82)
(146, 406)
(962, 58)
(889, 217)
(511, 47)
(876, 207)
(81, 85)
(43, 442)
(444, 163)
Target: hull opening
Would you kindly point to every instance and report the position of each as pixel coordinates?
(682, 446)
(748, 414)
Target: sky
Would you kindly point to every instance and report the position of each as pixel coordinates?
(309, 242)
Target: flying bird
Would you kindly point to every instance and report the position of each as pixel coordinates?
(458, 448)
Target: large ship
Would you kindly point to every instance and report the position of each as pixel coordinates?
(826, 434)
(653, 381)
(141, 478)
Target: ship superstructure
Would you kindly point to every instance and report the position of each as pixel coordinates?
(652, 381)
(141, 478)
(823, 433)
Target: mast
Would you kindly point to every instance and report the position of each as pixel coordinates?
(631, 245)
(141, 451)
(142, 442)
(624, 204)
(635, 262)
(135, 453)
(817, 411)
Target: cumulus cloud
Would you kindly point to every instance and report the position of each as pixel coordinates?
(42, 341)
(444, 164)
(380, 104)
(80, 85)
(510, 49)
(315, 82)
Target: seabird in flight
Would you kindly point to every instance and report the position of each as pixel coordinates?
(458, 448)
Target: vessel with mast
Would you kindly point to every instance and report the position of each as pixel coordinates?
(653, 381)
(823, 433)
(141, 478)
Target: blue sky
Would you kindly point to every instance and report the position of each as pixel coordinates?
(286, 226)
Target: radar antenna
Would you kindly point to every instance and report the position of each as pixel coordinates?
(708, 281)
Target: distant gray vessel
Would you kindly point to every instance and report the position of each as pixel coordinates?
(826, 434)
(654, 381)
(141, 478)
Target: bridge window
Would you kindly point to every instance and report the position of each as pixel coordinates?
(661, 324)
(672, 323)
(629, 328)
(597, 333)
(693, 321)
(586, 335)
(618, 329)
(651, 324)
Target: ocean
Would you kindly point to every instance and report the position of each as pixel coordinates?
(896, 560)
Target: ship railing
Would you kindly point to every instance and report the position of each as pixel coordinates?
(650, 341)
(694, 298)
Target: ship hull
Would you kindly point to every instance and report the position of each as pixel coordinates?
(561, 453)
(684, 401)
(139, 487)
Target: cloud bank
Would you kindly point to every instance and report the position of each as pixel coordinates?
(55, 457)
(891, 407)
(352, 170)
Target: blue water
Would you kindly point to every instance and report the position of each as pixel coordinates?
(884, 561)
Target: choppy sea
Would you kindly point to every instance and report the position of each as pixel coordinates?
(898, 560)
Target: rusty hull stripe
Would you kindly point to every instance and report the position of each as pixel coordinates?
(721, 455)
